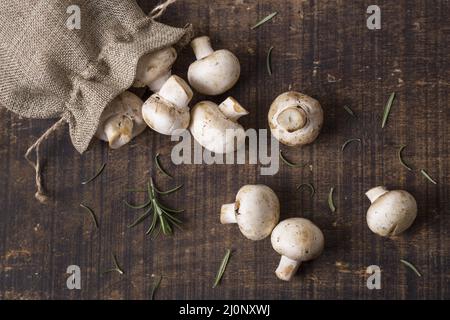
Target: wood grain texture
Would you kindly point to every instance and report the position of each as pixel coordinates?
(321, 48)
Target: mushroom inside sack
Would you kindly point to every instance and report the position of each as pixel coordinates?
(154, 69)
(121, 120)
(391, 212)
(296, 240)
(295, 118)
(214, 72)
(256, 211)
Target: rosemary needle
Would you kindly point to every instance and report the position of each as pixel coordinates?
(158, 165)
(290, 164)
(99, 172)
(264, 20)
(387, 109)
(310, 186)
(400, 158)
(411, 266)
(349, 111)
(91, 213)
(155, 287)
(222, 268)
(116, 266)
(428, 176)
(269, 61)
(330, 200)
(349, 141)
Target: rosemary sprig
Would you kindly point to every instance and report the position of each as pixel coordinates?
(349, 141)
(426, 175)
(160, 168)
(163, 218)
(99, 172)
(269, 61)
(330, 200)
(290, 164)
(92, 214)
(387, 109)
(349, 111)
(400, 158)
(411, 266)
(155, 286)
(116, 268)
(264, 20)
(310, 186)
(222, 268)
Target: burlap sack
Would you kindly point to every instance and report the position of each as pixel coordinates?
(48, 70)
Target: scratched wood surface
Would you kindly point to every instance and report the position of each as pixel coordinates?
(321, 48)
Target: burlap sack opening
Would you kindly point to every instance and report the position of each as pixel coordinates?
(50, 71)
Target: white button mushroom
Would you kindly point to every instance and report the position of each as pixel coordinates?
(214, 72)
(296, 240)
(215, 127)
(167, 110)
(154, 69)
(121, 120)
(256, 211)
(295, 118)
(391, 212)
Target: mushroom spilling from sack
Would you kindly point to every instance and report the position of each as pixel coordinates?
(295, 119)
(121, 120)
(214, 72)
(215, 127)
(256, 211)
(391, 212)
(167, 110)
(154, 69)
(296, 240)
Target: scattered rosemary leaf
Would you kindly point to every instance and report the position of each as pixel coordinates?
(155, 287)
(411, 266)
(269, 61)
(400, 158)
(91, 213)
(310, 186)
(290, 164)
(428, 176)
(99, 172)
(222, 268)
(158, 165)
(330, 200)
(387, 109)
(349, 141)
(264, 20)
(349, 111)
(116, 268)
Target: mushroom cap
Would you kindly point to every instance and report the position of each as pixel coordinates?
(154, 65)
(212, 129)
(257, 211)
(214, 74)
(295, 118)
(298, 239)
(124, 108)
(392, 213)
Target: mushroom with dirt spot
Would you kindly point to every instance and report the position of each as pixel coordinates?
(167, 110)
(121, 120)
(296, 240)
(214, 72)
(391, 212)
(256, 211)
(216, 127)
(295, 118)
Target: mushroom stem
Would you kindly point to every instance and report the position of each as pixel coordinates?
(118, 130)
(176, 91)
(228, 214)
(156, 84)
(374, 193)
(287, 268)
(292, 119)
(232, 109)
(202, 47)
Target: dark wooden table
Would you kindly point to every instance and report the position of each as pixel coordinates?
(321, 48)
